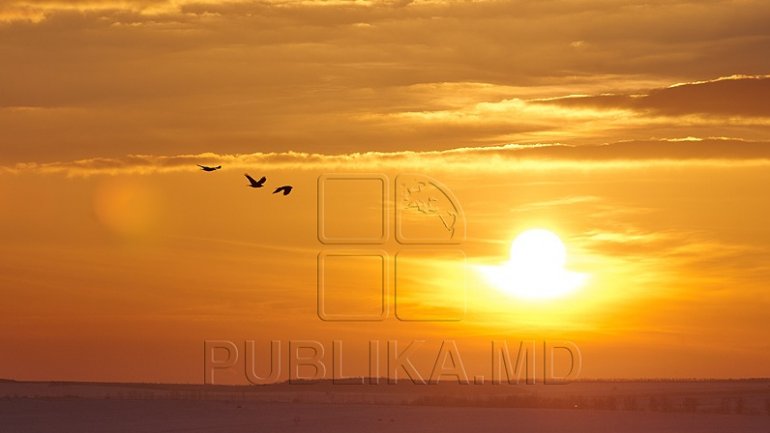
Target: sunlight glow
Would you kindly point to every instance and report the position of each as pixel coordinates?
(536, 268)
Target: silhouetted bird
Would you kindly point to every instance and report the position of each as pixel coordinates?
(206, 168)
(286, 189)
(254, 183)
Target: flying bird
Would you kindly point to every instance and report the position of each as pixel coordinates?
(254, 183)
(206, 168)
(286, 189)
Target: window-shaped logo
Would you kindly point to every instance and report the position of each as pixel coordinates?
(427, 212)
(352, 209)
(430, 285)
(352, 285)
(428, 274)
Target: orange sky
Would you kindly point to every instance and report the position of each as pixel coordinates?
(636, 131)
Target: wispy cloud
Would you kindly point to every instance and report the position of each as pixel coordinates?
(709, 151)
(739, 95)
(115, 77)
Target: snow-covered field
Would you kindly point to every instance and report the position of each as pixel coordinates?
(103, 408)
(140, 416)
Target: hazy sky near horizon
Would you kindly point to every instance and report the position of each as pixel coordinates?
(639, 132)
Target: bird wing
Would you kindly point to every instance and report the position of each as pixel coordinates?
(201, 166)
(251, 179)
(262, 180)
(277, 190)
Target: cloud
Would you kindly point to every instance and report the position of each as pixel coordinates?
(743, 96)
(712, 151)
(109, 78)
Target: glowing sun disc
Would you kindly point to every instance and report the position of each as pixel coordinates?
(536, 268)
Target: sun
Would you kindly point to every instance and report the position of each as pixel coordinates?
(536, 268)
